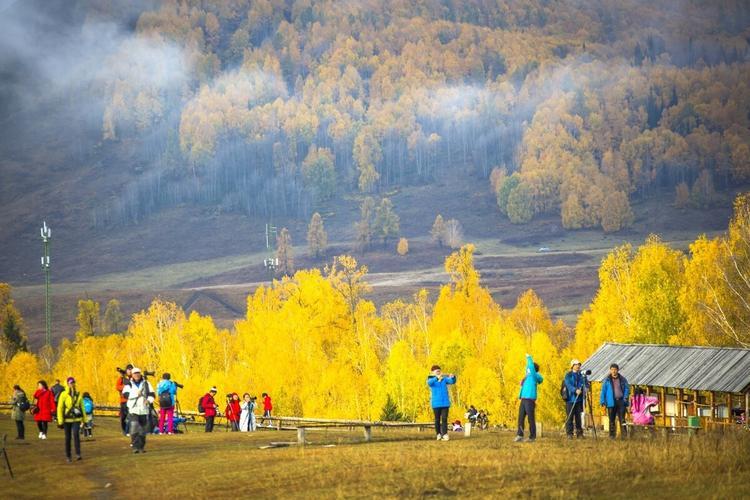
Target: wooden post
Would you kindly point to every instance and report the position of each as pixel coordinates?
(301, 435)
(747, 409)
(678, 405)
(663, 405)
(712, 400)
(368, 433)
(695, 403)
(729, 407)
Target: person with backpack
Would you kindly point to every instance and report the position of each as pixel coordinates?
(140, 396)
(70, 414)
(247, 416)
(208, 407)
(573, 393)
(167, 391)
(440, 400)
(20, 406)
(527, 397)
(88, 415)
(43, 408)
(614, 396)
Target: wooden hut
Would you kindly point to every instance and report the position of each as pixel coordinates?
(711, 383)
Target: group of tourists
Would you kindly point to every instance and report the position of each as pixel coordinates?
(614, 397)
(72, 410)
(239, 414)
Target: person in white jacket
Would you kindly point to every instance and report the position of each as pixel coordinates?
(140, 395)
(247, 417)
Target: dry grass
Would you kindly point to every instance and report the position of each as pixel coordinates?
(397, 464)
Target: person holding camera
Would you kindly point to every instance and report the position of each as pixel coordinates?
(614, 396)
(122, 381)
(70, 415)
(140, 397)
(232, 411)
(167, 391)
(247, 415)
(576, 388)
(440, 400)
(527, 397)
(209, 408)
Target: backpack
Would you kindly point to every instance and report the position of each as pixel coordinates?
(23, 403)
(200, 405)
(165, 399)
(88, 406)
(564, 394)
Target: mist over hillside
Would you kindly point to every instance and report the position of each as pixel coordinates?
(151, 132)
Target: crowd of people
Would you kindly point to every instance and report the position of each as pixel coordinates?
(614, 399)
(74, 410)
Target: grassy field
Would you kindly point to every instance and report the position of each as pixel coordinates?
(396, 464)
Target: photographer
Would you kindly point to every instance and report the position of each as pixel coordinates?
(576, 388)
(440, 400)
(70, 414)
(209, 408)
(122, 381)
(232, 411)
(20, 405)
(167, 391)
(527, 397)
(140, 396)
(247, 415)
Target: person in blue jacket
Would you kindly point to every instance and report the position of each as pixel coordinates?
(167, 392)
(615, 394)
(576, 394)
(527, 405)
(440, 400)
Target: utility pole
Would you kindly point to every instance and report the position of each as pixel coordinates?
(271, 262)
(46, 233)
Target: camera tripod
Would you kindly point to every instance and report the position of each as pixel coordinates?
(587, 398)
(178, 413)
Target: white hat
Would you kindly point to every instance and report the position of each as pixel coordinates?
(212, 389)
(135, 370)
(575, 362)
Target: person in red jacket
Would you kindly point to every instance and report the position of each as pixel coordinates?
(233, 412)
(267, 409)
(122, 381)
(44, 408)
(208, 403)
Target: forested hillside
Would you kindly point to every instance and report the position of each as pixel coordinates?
(272, 107)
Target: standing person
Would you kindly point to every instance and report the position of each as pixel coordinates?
(88, 415)
(57, 389)
(209, 406)
(527, 397)
(615, 393)
(233, 411)
(576, 395)
(247, 416)
(70, 413)
(140, 396)
(20, 406)
(167, 391)
(267, 409)
(122, 381)
(440, 400)
(44, 404)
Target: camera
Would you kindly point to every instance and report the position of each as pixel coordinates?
(147, 373)
(180, 386)
(121, 371)
(586, 372)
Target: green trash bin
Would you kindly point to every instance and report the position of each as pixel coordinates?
(693, 423)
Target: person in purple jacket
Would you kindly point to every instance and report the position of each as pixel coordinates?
(440, 399)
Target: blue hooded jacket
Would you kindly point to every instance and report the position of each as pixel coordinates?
(439, 389)
(530, 381)
(608, 393)
(169, 386)
(574, 381)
